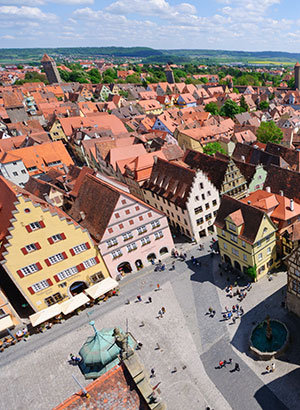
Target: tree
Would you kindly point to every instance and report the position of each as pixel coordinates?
(251, 271)
(212, 148)
(230, 109)
(268, 131)
(212, 107)
(263, 105)
(243, 104)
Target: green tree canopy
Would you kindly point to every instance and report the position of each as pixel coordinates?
(268, 131)
(243, 105)
(212, 107)
(212, 148)
(263, 105)
(230, 109)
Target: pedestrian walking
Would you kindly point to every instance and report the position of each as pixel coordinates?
(213, 313)
(173, 265)
(152, 373)
(163, 310)
(210, 309)
(237, 367)
(157, 347)
(158, 287)
(150, 299)
(229, 360)
(233, 320)
(139, 298)
(127, 302)
(142, 324)
(221, 364)
(160, 314)
(174, 370)
(268, 369)
(273, 367)
(241, 310)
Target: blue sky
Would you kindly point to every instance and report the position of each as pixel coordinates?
(253, 25)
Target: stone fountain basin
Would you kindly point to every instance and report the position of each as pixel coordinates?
(259, 344)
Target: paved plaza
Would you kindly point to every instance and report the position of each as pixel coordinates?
(36, 375)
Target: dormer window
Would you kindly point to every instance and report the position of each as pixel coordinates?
(232, 227)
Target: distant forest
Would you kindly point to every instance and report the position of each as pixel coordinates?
(146, 54)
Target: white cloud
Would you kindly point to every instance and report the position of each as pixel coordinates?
(31, 13)
(150, 8)
(23, 2)
(7, 37)
(72, 2)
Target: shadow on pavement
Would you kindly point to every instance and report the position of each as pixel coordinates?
(270, 306)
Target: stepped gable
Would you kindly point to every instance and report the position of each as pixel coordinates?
(214, 168)
(285, 180)
(252, 217)
(171, 181)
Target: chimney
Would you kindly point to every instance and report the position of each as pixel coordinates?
(82, 215)
(249, 202)
(243, 158)
(281, 193)
(292, 205)
(268, 189)
(155, 159)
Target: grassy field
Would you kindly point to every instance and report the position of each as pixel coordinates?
(270, 62)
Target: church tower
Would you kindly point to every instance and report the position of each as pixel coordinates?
(297, 76)
(169, 74)
(51, 70)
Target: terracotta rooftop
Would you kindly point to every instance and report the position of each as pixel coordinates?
(114, 390)
(237, 217)
(46, 58)
(277, 206)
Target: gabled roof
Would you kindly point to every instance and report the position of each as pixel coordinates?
(171, 181)
(214, 168)
(252, 217)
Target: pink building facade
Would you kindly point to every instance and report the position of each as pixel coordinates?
(135, 235)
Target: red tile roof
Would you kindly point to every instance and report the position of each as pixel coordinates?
(114, 390)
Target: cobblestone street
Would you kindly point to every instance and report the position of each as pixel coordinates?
(35, 375)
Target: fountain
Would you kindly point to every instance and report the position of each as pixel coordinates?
(269, 339)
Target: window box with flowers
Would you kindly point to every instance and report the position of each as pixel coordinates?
(145, 241)
(116, 254)
(127, 236)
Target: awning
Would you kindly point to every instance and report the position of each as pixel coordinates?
(45, 314)
(73, 303)
(5, 323)
(101, 288)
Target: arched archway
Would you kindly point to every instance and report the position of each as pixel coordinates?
(151, 257)
(237, 266)
(77, 287)
(227, 259)
(163, 250)
(124, 267)
(139, 264)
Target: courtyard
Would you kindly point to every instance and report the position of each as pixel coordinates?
(36, 375)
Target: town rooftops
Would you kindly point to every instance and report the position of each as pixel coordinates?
(283, 181)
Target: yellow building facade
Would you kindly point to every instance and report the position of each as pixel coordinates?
(48, 256)
(244, 246)
(56, 132)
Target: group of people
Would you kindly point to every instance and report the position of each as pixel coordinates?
(229, 313)
(182, 255)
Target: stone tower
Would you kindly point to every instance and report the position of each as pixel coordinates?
(297, 76)
(51, 70)
(169, 74)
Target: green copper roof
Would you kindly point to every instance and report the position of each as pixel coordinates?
(99, 349)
